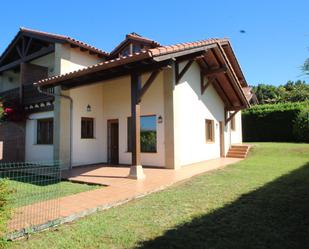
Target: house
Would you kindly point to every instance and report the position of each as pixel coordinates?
(141, 104)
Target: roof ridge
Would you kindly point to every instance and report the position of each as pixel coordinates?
(166, 49)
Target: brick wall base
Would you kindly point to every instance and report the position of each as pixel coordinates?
(13, 137)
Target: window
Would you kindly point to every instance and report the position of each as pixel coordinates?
(148, 134)
(45, 131)
(87, 128)
(209, 130)
(125, 52)
(233, 124)
(136, 48)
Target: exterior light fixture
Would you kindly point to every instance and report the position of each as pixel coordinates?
(88, 108)
(160, 119)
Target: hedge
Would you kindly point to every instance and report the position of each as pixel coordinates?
(275, 123)
(301, 125)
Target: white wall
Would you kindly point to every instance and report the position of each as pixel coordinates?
(111, 100)
(9, 80)
(190, 111)
(37, 152)
(46, 61)
(73, 59)
(88, 151)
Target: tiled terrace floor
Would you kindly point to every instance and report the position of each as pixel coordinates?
(119, 190)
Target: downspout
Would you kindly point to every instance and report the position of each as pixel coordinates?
(71, 117)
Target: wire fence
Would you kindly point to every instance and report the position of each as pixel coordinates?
(35, 194)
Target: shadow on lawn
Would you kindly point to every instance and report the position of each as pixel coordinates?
(273, 216)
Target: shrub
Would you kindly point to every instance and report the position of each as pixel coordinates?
(1, 111)
(271, 122)
(301, 126)
(4, 209)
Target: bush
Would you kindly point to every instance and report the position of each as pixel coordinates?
(4, 210)
(1, 111)
(271, 122)
(301, 126)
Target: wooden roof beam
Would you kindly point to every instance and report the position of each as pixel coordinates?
(178, 74)
(43, 51)
(215, 71)
(231, 117)
(148, 83)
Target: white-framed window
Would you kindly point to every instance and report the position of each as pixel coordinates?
(210, 130)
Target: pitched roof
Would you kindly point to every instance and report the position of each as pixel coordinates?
(150, 53)
(56, 38)
(135, 37)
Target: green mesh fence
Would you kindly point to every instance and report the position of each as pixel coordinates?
(35, 193)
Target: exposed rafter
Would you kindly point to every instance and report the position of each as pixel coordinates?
(23, 48)
(42, 52)
(233, 76)
(214, 71)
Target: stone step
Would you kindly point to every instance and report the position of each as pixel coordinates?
(236, 154)
(238, 151)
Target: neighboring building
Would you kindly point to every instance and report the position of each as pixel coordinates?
(186, 98)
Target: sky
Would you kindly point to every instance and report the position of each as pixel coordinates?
(271, 49)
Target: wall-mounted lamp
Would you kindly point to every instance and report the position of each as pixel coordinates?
(88, 108)
(160, 119)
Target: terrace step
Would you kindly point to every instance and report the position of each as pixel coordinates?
(238, 151)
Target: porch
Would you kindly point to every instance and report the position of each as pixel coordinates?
(116, 176)
(120, 189)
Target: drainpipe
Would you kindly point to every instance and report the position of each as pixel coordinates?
(71, 117)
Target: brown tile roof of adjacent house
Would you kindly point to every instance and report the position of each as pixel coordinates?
(150, 53)
(67, 39)
(60, 38)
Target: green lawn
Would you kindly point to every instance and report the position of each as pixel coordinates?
(262, 202)
(25, 193)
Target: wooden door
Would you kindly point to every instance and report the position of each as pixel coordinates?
(113, 141)
(222, 150)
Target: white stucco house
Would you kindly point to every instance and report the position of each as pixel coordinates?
(141, 104)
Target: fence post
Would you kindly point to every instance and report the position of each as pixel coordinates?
(1, 150)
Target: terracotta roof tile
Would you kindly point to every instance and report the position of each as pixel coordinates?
(150, 53)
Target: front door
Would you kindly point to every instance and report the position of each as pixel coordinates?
(222, 154)
(113, 141)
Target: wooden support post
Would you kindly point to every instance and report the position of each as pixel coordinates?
(136, 170)
(21, 81)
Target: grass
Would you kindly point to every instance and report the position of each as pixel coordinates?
(262, 202)
(25, 193)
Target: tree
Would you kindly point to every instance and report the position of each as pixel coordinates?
(266, 93)
(290, 92)
(305, 67)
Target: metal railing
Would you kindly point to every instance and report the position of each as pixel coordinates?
(35, 193)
